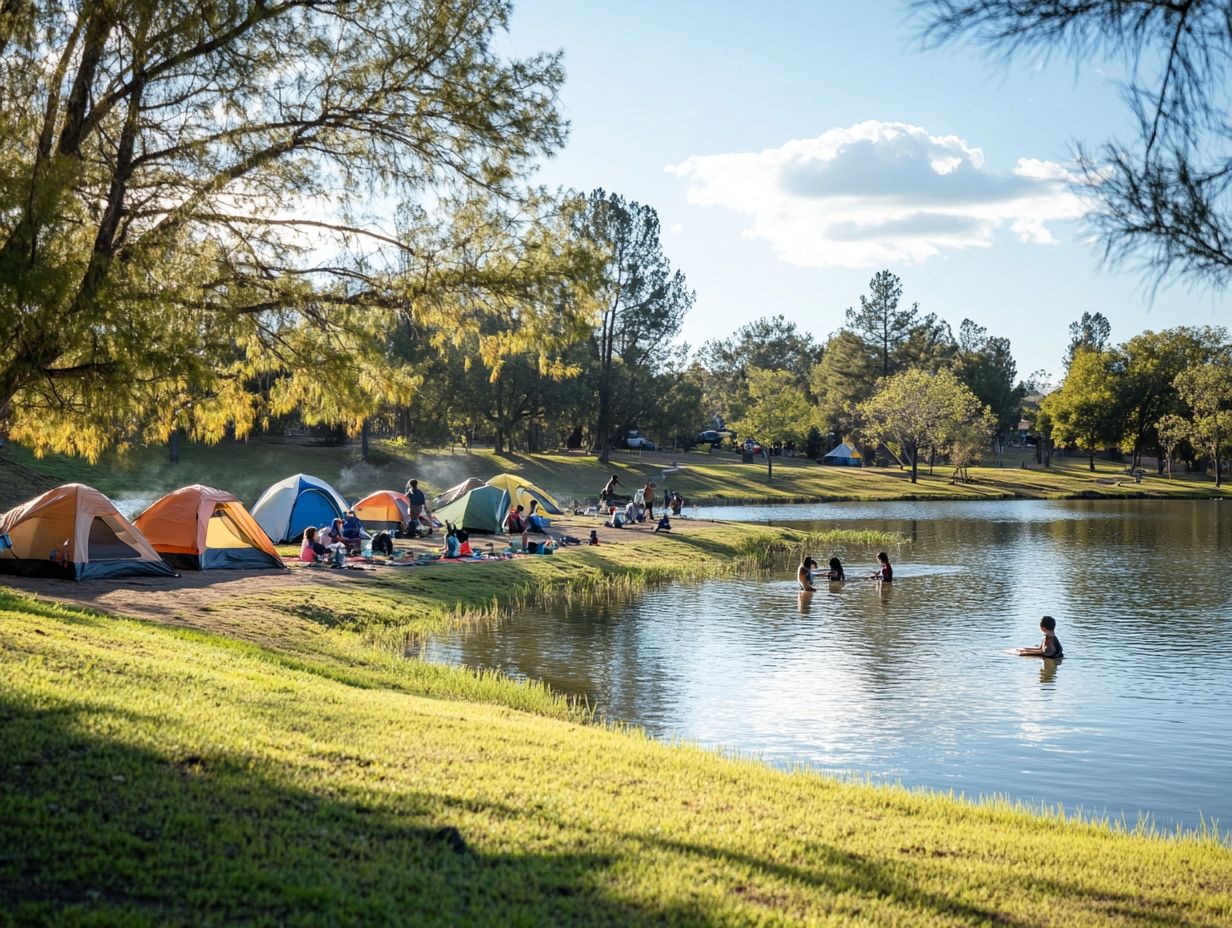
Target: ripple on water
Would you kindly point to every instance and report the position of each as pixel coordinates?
(910, 681)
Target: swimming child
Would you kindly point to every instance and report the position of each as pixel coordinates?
(1050, 646)
(885, 573)
(836, 574)
(804, 574)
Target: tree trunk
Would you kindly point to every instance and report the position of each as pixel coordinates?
(498, 443)
(769, 466)
(1091, 460)
(363, 441)
(915, 458)
(173, 447)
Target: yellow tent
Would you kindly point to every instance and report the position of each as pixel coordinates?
(521, 492)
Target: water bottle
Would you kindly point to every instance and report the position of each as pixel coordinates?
(366, 548)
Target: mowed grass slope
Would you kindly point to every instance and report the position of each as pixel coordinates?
(151, 776)
(247, 468)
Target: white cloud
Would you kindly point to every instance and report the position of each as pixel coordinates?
(676, 229)
(879, 193)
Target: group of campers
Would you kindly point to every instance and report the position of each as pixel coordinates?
(75, 532)
(639, 508)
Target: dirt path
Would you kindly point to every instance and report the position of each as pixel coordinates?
(200, 599)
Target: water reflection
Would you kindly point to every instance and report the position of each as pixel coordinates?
(911, 680)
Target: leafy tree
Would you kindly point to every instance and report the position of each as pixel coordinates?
(845, 376)
(1207, 389)
(642, 302)
(768, 343)
(1093, 332)
(1172, 429)
(917, 409)
(884, 327)
(1148, 365)
(1163, 195)
(1084, 411)
(879, 339)
(987, 367)
(183, 190)
(777, 410)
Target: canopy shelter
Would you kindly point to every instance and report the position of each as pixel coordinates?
(483, 509)
(844, 455)
(75, 532)
(200, 528)
(292, 505)
(384, 511)
(523, 491)
(456, 492)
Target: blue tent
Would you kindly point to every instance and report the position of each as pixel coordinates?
(294, 504)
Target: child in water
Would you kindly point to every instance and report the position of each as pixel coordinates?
(1050, 646)
(885, 573)
(836, 574)
(804, 574)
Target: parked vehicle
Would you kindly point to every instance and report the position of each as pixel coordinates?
(641, 443)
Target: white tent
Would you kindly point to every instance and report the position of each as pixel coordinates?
(290, 506)
(844, 455)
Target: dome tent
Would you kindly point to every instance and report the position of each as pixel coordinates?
(383, 511)
(844, 455)
(456, 492)
(483, 509)
(200, 528)
(82, 527)
(292, 505)
(521, 492)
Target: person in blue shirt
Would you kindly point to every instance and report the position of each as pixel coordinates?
(352, 530)
(419, 506)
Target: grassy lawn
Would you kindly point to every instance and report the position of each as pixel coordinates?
(155, 776)
(247, 468)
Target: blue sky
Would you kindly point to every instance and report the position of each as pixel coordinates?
(795, 149)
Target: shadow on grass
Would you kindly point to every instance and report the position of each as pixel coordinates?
(91, 830)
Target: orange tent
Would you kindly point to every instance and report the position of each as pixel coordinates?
(74, 531)
(384, 511)
(200, 528)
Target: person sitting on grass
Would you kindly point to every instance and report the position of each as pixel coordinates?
(332, 534)
(665, 524)
(452, 545)
(535, 521)
(1050, 646)
(594, 536)
(615, 518)
(352, 531)
(464, 543)
(311, 549)
(515, 524)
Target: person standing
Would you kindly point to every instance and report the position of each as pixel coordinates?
(648, 494)
(419, 506)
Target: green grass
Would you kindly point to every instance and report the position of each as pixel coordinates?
(247, 468)
(150, 776)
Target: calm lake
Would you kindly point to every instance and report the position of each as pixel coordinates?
(910, 681)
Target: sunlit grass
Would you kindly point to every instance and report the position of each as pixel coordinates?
(246, 469)
(155, 776)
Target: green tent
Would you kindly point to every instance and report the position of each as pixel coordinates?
(483, 509)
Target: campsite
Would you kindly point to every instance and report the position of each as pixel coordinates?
(573, 464)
